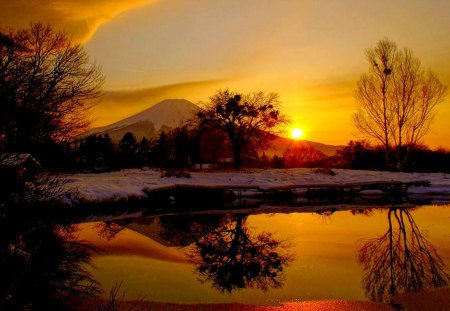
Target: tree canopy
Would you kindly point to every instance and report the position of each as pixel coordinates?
(244, 118)
(47, 86)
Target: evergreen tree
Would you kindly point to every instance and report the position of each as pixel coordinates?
(160, 151)
(143, 152)
(128, 150)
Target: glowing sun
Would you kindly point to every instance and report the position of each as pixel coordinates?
(296, 133)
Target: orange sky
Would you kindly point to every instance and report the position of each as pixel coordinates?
(309, 51)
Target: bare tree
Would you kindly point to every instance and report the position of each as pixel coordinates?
(245, 119)
(373, 116)
(299, 155)
(401, 260)
(397, 98)
(47, 86)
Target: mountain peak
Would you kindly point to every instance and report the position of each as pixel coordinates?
(167, 113)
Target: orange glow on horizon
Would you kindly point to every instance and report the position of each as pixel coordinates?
(290, 57)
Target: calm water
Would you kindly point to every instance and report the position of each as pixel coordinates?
(257, 258)
(268, 258)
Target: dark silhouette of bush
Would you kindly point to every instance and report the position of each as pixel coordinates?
(418, 158)
(299, 156)
(422, 159)
(127, 150)
(361, 156)
(96, 153)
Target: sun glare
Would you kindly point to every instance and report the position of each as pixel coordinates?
(297, 133)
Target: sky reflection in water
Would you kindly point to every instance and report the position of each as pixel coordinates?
(268, 258)
(363, 254)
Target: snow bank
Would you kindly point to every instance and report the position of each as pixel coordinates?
(129, 184)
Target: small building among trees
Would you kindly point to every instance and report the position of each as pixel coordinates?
(15, 170)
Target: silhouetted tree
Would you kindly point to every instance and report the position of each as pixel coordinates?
(246, 119)
(226, 252)
(277, 162)
(97, 152)
(42, 263)
(185, 147)
(231, 257)
(47, 86)
(185, 230)
(397, 98)
(160, 150)
(361, 155)
(401, 260)
(128, 150)
(108, 229)
(422, 159)
(143, 152)
(298, 155)
(264, 160)
(214, 146)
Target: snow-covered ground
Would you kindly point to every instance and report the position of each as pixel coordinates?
(129, 184)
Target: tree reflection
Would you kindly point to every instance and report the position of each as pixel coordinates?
(41, 265)
(227, 253)
(185, 230)
(108, 230)
(401, 260)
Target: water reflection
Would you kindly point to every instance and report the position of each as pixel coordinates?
(108, 230)
(401, 260)
(227, 253)
(41, 264)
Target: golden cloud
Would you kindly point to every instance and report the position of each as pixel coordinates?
(79, 18)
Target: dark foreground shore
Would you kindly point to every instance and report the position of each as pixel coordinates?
(433, 299)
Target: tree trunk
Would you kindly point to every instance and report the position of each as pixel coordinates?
(237, 160)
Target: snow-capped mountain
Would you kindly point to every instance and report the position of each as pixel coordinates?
(171, 113)
(164, 115)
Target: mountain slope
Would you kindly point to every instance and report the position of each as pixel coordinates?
(280, 144)
(169, 113)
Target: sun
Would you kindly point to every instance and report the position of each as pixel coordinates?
(296, 133)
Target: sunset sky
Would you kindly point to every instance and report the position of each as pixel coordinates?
(311, 52)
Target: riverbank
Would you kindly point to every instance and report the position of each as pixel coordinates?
(132, 185)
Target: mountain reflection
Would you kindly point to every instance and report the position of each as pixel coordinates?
(227, 253)
(401, 260)
(41, 264)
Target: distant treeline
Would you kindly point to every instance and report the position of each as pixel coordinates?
(417, 158)
(180, 148)
(183, 148)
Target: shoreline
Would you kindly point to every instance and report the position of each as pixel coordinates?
(134, 185)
